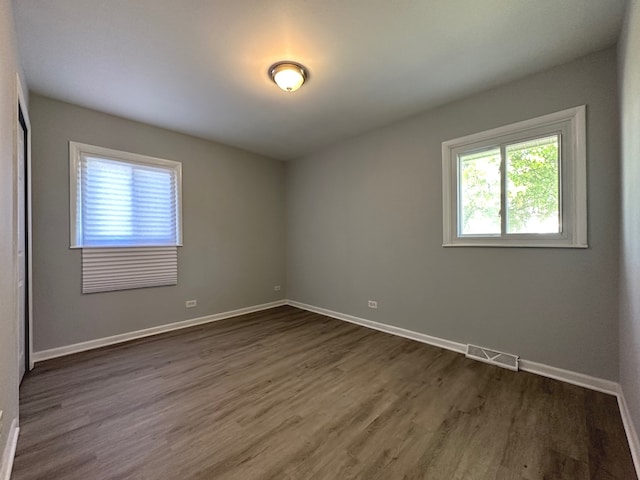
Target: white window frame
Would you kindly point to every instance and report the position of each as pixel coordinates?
(78, 150)
(570, 124)
(122, 267)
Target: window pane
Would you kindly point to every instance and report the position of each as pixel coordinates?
(533, 186)
(127, 204)
(479, 193)
(106, 204)
(154, 199)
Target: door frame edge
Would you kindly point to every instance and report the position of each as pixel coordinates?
(21, 105)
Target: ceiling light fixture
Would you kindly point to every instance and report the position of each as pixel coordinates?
(289, 76)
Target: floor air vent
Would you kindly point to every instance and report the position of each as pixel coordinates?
(501, 359)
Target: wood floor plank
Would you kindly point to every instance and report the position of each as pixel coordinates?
(287, 394)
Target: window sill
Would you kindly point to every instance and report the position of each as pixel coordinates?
(516, 245)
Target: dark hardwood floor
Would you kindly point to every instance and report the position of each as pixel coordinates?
(287, 394)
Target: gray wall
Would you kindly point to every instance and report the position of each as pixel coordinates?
(365, 222)
(233, 229)
(8, 299)
(630, 241)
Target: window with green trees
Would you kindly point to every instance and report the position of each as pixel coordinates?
(519, 185)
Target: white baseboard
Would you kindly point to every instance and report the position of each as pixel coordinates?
(567, 376)
(9, 451)
(125, 337)
(383, 327)
(630, 429)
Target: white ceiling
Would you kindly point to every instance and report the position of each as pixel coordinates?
(200, 66)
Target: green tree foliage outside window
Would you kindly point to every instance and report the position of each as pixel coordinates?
(480, 193)
(533, 186)
(532, 189)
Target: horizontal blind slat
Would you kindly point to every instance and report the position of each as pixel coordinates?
(127, 203)
(109, 269)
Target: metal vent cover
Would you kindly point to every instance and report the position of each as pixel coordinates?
(501, 359)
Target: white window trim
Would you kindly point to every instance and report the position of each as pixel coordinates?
(574, 185)
(76, 150)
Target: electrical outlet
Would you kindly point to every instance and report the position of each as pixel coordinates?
(276, 288)
(191, 303)
(373, 304)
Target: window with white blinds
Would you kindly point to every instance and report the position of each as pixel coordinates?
(125, 215)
